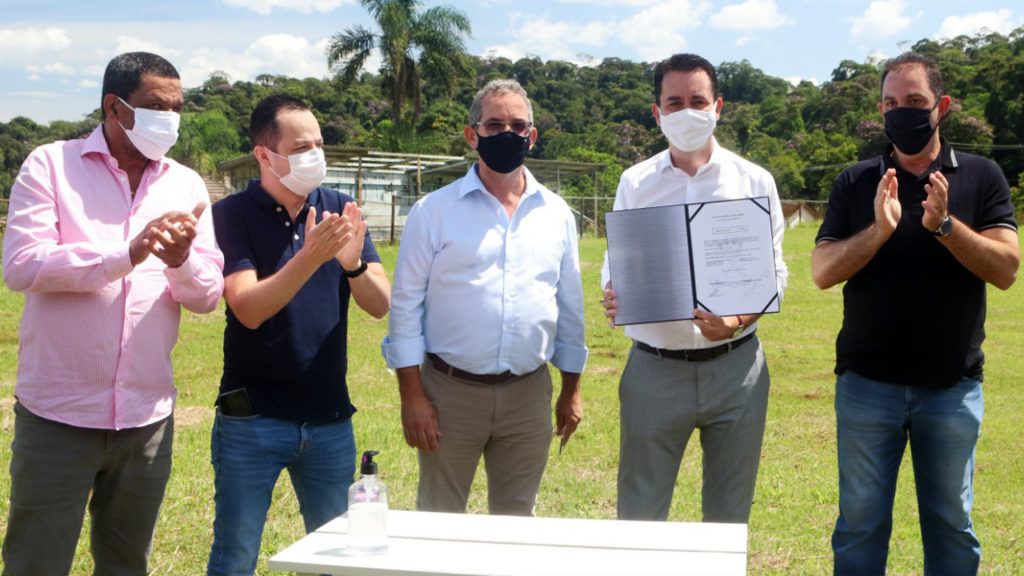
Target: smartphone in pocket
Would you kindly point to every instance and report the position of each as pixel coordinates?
(235, 403)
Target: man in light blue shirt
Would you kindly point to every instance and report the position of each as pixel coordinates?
(487, 291)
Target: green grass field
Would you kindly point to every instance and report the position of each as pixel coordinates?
(796, 499)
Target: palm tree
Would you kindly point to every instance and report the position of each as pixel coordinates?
(411, 43)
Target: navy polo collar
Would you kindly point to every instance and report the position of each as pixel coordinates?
(266, 201)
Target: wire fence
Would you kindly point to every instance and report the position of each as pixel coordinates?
(387, 220)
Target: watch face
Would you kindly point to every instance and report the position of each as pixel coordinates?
(945, 227)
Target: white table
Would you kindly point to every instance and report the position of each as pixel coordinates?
(463, 544)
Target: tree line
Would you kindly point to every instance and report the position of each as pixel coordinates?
(804, 134)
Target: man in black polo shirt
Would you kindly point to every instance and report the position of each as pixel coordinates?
(294, 252)
(916, 233)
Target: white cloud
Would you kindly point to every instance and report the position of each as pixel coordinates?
(613, 2)
(85, 83)
(550, 39)
(132, 44)
(292, 55)
(750, 15)
(882, 19)
(971, 24)
(656, 32)
(877, 57)
(56, 68)
(509, 51)
(796, 80)
(283, 54)
(304, 6)
(93, 71)
(29, 41)
(38, 94)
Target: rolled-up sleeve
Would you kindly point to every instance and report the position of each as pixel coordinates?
(571, 352)
(404, 344)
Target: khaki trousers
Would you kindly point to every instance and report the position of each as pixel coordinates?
(509, 424)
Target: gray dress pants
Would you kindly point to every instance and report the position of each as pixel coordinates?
(662, 401)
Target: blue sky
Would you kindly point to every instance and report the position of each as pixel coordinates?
(53, 52)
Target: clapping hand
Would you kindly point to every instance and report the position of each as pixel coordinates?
(168, 237)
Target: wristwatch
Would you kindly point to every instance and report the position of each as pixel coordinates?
(739, 329)
(945, 227)
(357, 272)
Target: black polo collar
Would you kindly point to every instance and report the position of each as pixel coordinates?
(947, 159)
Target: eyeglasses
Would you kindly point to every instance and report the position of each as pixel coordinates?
(493, 127)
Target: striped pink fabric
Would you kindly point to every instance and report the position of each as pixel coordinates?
(96, 334)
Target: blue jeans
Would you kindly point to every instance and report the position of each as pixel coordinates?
(248, 454)
(874, 421)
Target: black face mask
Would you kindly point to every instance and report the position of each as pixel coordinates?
(910, 129)
(503, 152)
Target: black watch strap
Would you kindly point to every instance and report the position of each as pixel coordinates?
(357, 272)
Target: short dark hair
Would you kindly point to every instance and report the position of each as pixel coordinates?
(931, 69)
(125, 72)
(683, 63)
(263, 122)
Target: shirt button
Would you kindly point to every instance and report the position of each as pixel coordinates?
(296, 237)
(288, 224)
(278, 208)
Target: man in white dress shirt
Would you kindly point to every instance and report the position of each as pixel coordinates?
(488, 291)
(708, 373)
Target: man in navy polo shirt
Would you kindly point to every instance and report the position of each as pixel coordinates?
(294, 252)
(916, 234)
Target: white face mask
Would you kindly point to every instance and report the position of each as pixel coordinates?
(688, 129)
(154, 132)
(308, 170)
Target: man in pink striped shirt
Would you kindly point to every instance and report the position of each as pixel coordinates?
(107, 238)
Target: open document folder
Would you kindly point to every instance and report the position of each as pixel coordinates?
(667, 260)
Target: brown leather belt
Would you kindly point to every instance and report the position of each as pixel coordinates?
(697, 354)
(492, 379)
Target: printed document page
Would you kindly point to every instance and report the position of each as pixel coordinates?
(662, 268)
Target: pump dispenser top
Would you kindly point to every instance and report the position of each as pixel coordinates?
(368, 467)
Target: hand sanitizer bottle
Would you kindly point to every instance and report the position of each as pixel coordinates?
(367, 511)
